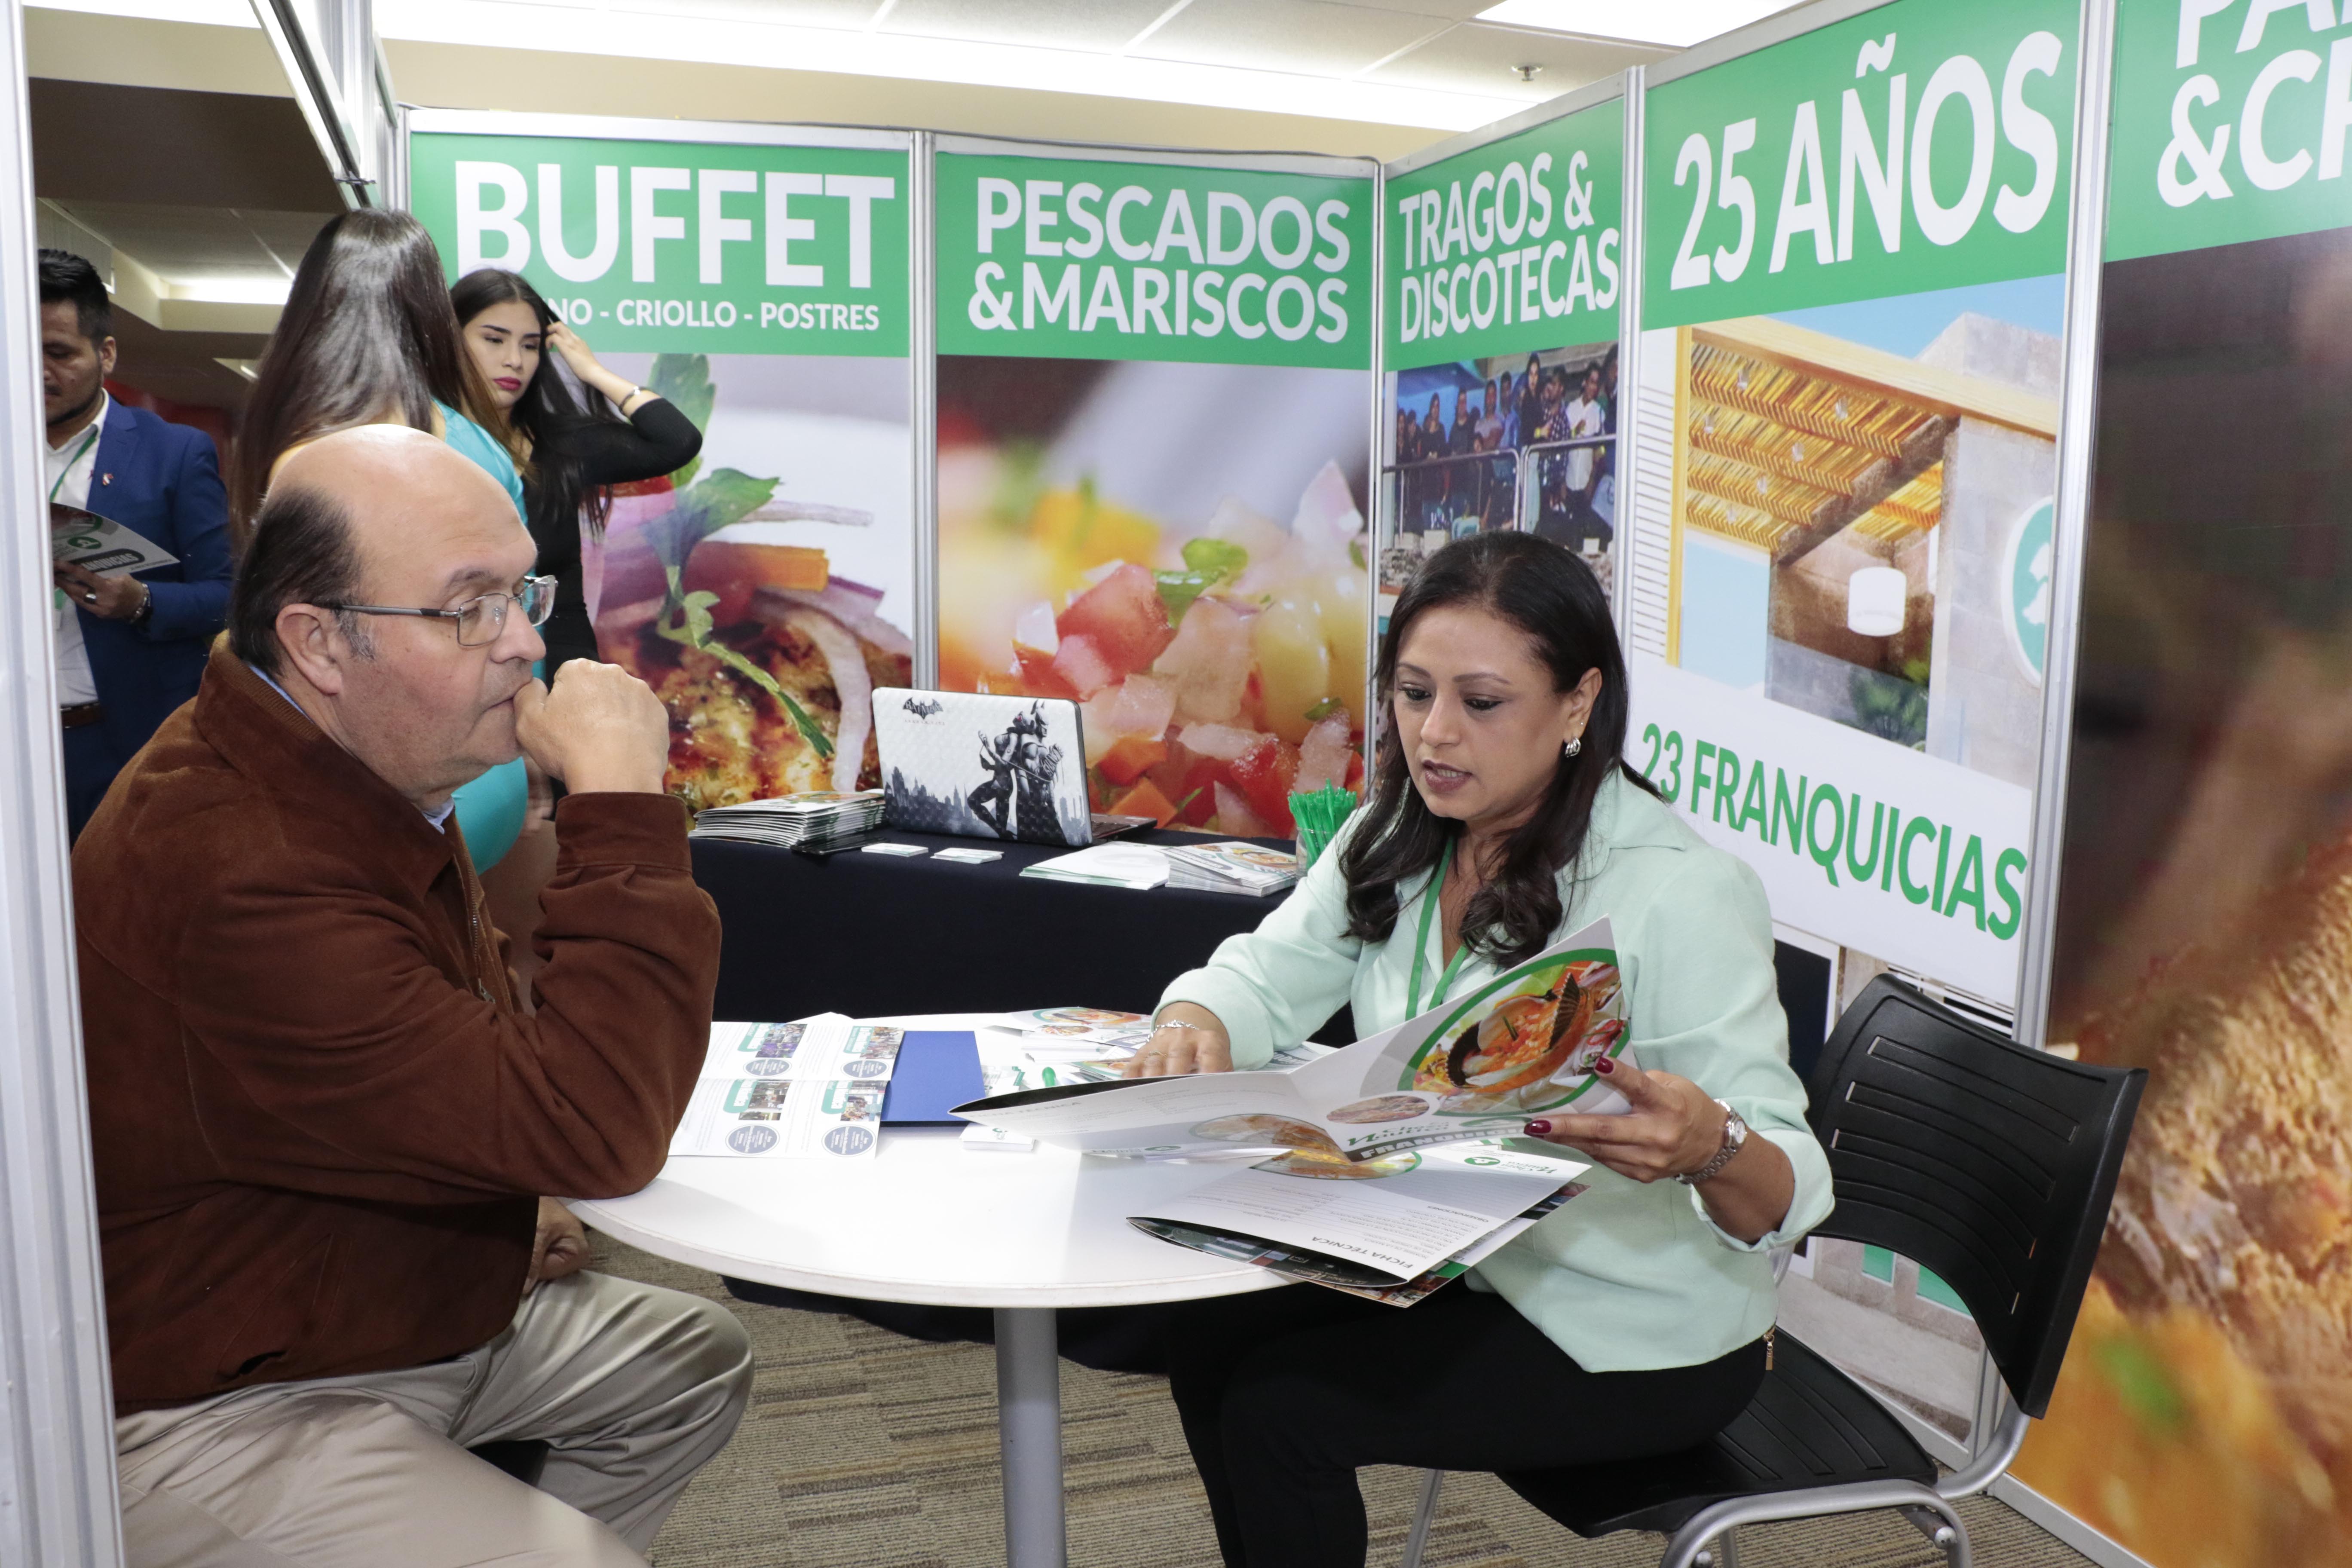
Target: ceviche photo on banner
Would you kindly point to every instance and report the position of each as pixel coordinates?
(2204, 1414)
(1180, 548)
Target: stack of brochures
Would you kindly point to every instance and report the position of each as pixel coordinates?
(1232, 866)
(1112, 865)
(1393, 1229)
(810, 820)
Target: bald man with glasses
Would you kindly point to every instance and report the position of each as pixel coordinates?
(323, 1119)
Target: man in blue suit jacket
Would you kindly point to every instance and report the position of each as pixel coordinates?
(130, 648)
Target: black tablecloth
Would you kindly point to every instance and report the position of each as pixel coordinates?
(874, 935)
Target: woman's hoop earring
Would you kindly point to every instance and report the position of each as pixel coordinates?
(1575, 744)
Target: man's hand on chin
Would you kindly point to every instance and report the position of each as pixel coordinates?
(561, 1246)
(600, 730)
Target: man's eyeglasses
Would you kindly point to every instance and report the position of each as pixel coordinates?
(481, 619)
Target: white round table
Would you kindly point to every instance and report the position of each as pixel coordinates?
(927, 1220)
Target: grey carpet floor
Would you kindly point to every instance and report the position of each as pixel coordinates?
(864, 1450)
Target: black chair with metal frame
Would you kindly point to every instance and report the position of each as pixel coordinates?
(1990, 1164)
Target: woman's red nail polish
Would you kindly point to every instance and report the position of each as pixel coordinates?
(1539, 1129)
(1604, 1065)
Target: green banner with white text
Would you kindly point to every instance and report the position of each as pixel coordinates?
(2204, 897)
(1154, 380)
(1919, 146)
(1070, 258)
(692, 246)
(1510, 247)
(1852, 326)
(2229, 123)
(1848, 362)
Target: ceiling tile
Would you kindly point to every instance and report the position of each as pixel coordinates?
(1441, 10)
(847, 16)
(1100, 26)
(1315, 37)
(1480, 58)
(287, 235)
(173, 239)
(174, 146)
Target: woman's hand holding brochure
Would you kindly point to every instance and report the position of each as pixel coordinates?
(1524, 1044)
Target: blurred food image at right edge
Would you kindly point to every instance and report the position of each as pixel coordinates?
(2204, 932)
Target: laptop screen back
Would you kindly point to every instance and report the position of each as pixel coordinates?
(983, 766)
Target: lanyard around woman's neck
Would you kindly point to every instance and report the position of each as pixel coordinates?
(1421, 953)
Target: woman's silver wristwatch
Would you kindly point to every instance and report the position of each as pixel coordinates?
(1734, 1133)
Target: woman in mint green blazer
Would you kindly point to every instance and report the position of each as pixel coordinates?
(1634, 1321)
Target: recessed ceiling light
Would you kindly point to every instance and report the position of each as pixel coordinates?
(1677, 23)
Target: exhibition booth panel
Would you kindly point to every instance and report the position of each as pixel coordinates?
(58, 1501)
(1155, 383)
(1845, 350)
(1505, 263)
(762, 278)
(2195, 922)
(1849, 349)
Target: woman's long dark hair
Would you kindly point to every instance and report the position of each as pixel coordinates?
(1551, 597)
(547, 405)
(367, 335)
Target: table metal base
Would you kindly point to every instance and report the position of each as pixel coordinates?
(1029, 1424)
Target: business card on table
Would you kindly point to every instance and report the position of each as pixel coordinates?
(908, 851)
(969, 856)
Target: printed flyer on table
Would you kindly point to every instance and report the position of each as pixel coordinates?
(813, 1088)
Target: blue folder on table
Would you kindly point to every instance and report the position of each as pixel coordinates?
(938, 1069)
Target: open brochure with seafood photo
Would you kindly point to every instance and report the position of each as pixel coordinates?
(1391, 1229)
(806, 1088)
(1477, 1066)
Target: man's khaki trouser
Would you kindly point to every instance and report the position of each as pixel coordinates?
(634, 1386)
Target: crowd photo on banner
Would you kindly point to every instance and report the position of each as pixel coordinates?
(1503, 443)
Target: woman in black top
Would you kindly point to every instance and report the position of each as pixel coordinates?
(573, 452)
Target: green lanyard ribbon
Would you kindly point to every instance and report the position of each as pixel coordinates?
(87, 441)
(57, 595)
(1429, 899)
